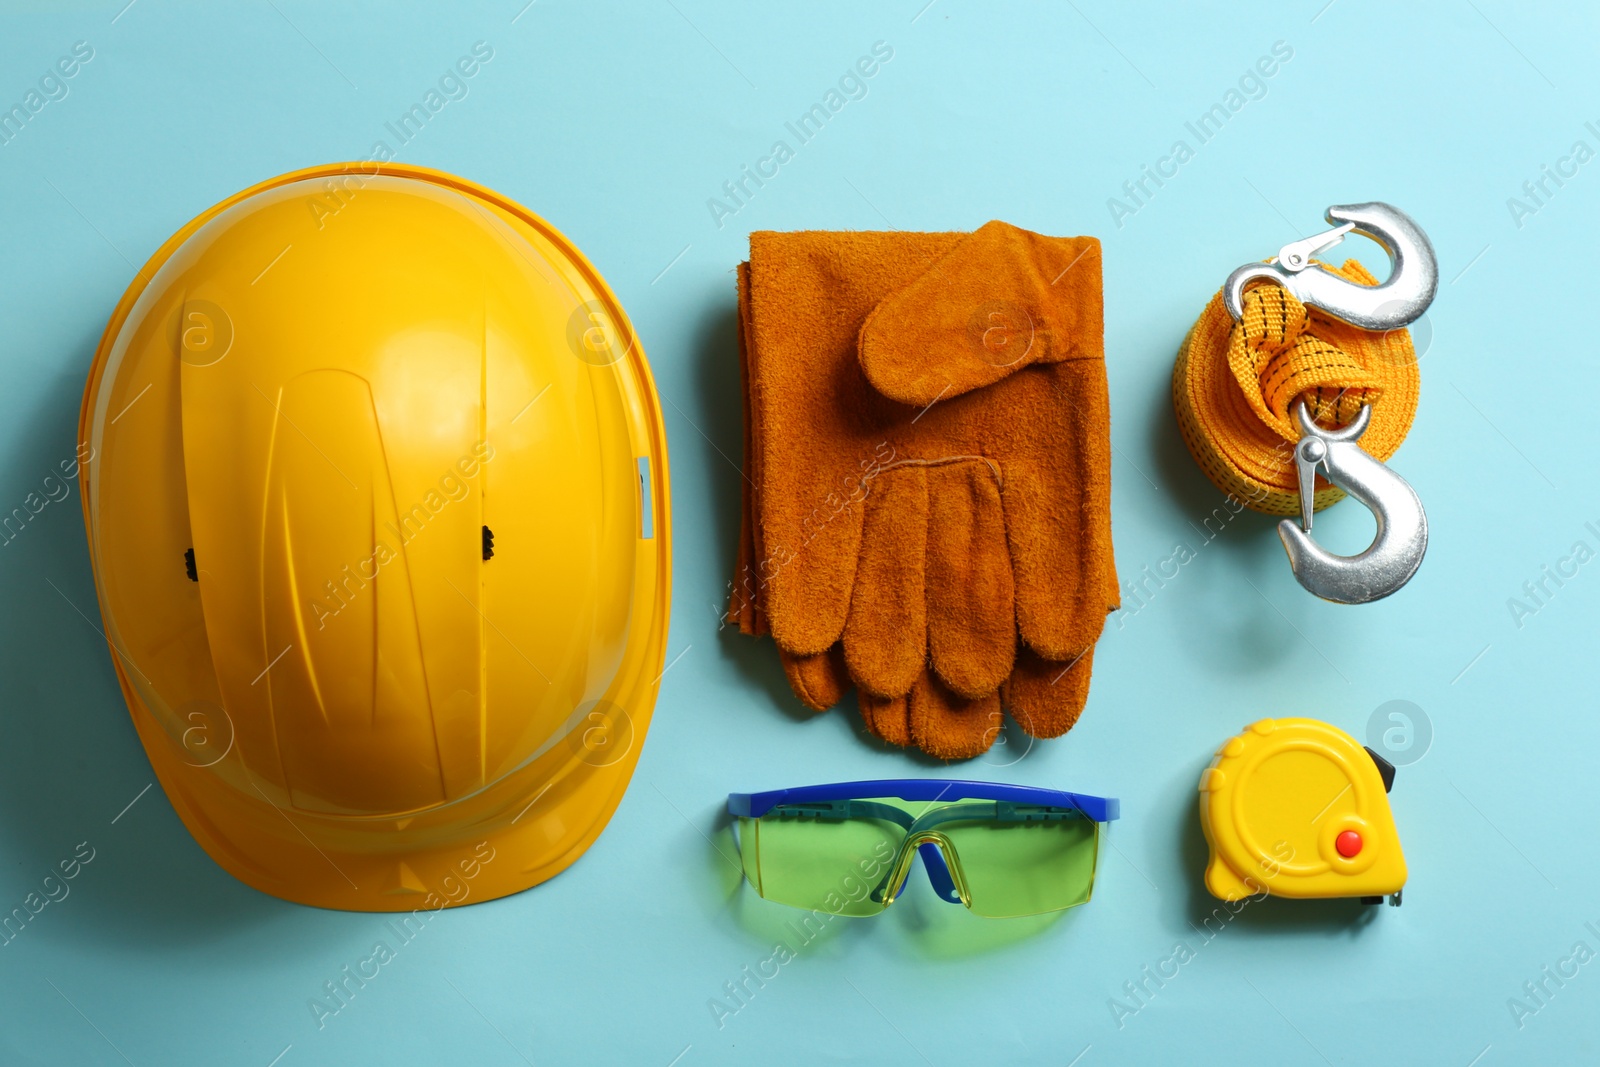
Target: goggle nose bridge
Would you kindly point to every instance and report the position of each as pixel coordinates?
(939, 859)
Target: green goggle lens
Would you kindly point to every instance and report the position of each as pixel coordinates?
(1014, 869)
(827, 865)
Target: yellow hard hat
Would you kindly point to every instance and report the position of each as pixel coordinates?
(377, 506)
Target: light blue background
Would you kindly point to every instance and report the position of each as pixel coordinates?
(617, 122)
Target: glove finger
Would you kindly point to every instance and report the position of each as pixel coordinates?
(807, 586)
(886, 718)
(1058, 525)
(947, 725)
(820, 681)
(886, 636)
(972, 629)
(807, 578)
(1047, 696)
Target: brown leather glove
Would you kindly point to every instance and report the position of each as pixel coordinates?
(927, 465)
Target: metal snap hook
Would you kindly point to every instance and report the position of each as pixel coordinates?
(1399, 301)
(1395, 553)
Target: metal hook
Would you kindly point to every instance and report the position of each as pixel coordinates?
(1398, 301)
(1395, 553)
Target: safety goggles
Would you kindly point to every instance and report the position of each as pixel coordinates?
(846, 849)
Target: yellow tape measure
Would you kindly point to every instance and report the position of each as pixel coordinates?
(1297, 808)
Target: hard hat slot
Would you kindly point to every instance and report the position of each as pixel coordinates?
(647, 518)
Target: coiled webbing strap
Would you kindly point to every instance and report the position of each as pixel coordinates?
(1235, 385)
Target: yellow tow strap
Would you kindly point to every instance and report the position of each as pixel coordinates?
(1235, 384)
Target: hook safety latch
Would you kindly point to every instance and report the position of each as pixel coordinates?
(1398, 301)
(1402, 539)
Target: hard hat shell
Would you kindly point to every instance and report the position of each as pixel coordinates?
(1274, 804)
(377, 506)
